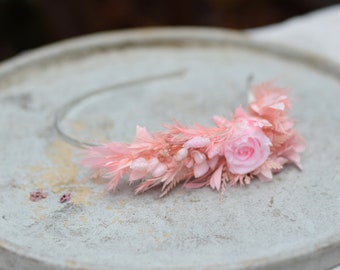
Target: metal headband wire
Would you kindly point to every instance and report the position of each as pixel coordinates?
(64, 110)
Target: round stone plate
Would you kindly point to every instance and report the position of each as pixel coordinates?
(292, 222)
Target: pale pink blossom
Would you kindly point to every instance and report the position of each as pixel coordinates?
(248, 148)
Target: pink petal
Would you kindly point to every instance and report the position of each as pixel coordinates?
(142, 135)
(139, 164)
(239, 112)
(220, 121)
(278, 106)
(299, 147)
(287, 125)
(213, 162)
(293, 156)
(114, 181)
(153, 164)
(255, 108)
(190, 163)
(200, 169)
(267, 173)
(215, 150)
(215, 180)
(281, 160)
(116, 148)
(181, 154)
(198, 156)
(193, 185)
(160, 170)
(197, 142)
(136, 174)
(263, 123)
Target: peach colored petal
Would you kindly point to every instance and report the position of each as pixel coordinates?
(198, 156)
(200, 169)
(159, 170)
(215, 180)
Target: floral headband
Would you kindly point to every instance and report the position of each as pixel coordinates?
(254, 143)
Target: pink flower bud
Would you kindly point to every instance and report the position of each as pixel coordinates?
(139, 164)
(160, 170)
(181, 154)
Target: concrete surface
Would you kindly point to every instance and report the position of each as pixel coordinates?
(292, 222)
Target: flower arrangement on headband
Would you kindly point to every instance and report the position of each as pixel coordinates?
(254, 143)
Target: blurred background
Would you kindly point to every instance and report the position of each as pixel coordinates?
(27, 24)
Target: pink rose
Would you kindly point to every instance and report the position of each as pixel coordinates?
(248, 148)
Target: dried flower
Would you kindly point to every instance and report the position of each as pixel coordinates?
(249, 147)
(253, 144)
